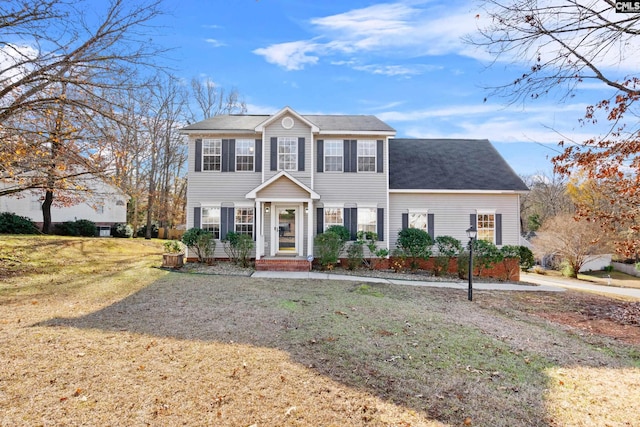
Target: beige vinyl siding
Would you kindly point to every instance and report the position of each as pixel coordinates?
(353, 187)
(299, 130)
(451, 213)
(283, 188)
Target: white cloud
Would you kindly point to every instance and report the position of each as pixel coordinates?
(215, 43)
(291, 55)
(402, 29)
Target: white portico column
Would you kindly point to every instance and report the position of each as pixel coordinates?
(310, 227)
(259, 231)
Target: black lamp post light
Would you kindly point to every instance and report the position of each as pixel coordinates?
(472, 233)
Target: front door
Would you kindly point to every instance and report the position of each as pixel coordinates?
(286, 229)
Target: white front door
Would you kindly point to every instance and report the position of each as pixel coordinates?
(287, 229)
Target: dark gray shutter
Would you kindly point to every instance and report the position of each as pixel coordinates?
(320, 155)
(274, 153)
(354, 155)
(380, 156)
(351, 221)
(257, 159)
(198, 164)
(225, 155)
(196, 217)
(232, 155)
(380, 224)
(431, 225)
(320, 220)
(405, 221)
(226, 222)
(346, 156)
(354, 223)
(498, 229)
(301, 154)
(473, 221)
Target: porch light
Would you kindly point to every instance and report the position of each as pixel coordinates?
(306, 210)
(472, 233)
(267, 209)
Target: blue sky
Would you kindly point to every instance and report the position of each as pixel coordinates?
(403, 61)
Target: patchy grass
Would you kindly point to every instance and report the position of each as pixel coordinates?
(613, 278)
(119, 341)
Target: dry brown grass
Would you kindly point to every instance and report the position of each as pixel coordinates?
(120, 342)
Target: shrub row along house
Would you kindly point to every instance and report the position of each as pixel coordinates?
(286, 177)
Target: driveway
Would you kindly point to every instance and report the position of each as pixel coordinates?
(579, 285)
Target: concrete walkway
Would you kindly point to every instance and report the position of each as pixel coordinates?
(480, 286)
(579, 285)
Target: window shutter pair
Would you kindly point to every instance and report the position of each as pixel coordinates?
(473, 220)
(229, 155)
(274, 153)
(350, 155)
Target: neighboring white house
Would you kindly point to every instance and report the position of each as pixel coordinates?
(104, 204)
(286, 177)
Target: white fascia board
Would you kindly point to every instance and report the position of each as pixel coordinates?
(208, 133)
(360, 132)
(422, 191)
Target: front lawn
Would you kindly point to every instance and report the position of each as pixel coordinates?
(94, 333)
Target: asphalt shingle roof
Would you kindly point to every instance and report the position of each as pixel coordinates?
(347, 123)
(449, 164)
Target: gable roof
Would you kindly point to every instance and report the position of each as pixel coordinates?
(325, 123)
(449, 164)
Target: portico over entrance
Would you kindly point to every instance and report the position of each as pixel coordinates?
(284, 217)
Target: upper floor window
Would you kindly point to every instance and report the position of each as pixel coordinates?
(287, 153)
(333, 152)
(245, 149)
(211, 221)
(367, 219)
(486, 227)
(333, 216)
(244, 221)
(366, 155)
(418, 220)
(211, 154)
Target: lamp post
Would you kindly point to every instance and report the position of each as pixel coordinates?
(471, 234)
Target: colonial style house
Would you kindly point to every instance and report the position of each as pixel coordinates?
(286, 177)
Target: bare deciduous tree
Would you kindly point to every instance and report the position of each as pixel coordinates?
(573, 240)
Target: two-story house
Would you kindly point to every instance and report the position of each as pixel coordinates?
(286, 177)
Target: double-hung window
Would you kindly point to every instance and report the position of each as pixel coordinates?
(211, 154)
(244, 221)
(211, 221)
(366, 155)
(287, 153)
(333, 216)
(367, 219)
(418, 220)
(333, 155)
(486, 227)
(245, 149)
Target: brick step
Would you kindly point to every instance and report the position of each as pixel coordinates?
(282, 264)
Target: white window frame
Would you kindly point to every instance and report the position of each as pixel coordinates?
(245, 148)
(413, 219)
(367, 149)
(208, 223)
(367, 218)
(332, 213)
(330, 152)
(212, 148)
(486, 226)
(287, 160)
(240, 223)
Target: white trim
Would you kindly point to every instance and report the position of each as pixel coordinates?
(417, 211)
(210, 204)
(485, 211)
(445, 191)
(357, 132)
(366, 206)
(333, 205)
(244, 204)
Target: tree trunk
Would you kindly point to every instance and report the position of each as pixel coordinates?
(46, 212)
